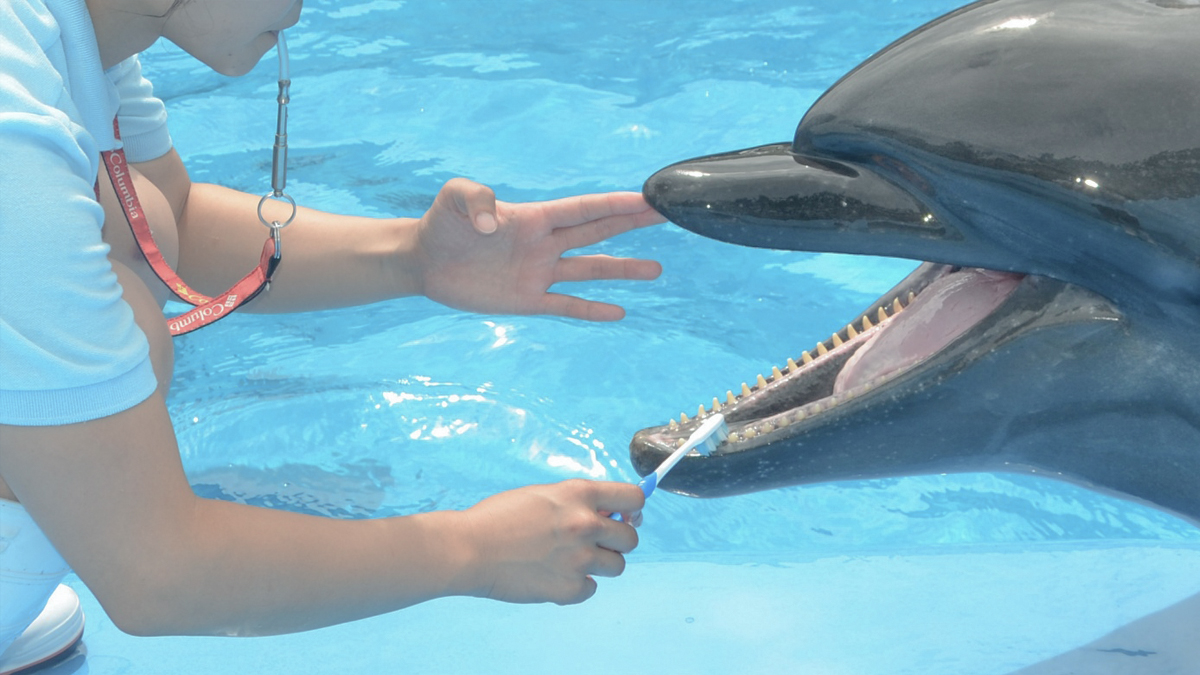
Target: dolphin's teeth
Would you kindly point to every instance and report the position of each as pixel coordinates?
(672, 425)
(680, 442)
(882, 314)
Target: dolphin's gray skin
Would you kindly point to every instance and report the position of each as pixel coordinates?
(1056, 142)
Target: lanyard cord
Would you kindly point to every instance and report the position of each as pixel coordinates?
(279, 152)
(206, 310)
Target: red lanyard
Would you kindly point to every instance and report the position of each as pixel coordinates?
(206, 310)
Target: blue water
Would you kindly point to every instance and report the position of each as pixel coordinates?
(407, 406)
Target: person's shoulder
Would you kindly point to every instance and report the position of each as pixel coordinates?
(28, 34)
(21, 20)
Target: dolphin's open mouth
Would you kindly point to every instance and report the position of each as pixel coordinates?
(897, 336)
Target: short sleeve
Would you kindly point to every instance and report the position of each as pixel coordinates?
(142, 116)
(70, 350)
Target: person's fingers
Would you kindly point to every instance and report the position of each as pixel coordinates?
(586, 589)
(608, 563)
(591, 268)
(616, 537)
(615, 497)
(590, 232)
(484, 222)
(595, 267)
(587, 208)
(477, 202)
(558, 304)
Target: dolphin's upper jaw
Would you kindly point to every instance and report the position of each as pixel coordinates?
(751, 198)
(937, 309)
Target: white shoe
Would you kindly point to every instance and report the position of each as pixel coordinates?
(58, 628)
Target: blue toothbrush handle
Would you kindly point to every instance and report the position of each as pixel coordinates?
(647, 484)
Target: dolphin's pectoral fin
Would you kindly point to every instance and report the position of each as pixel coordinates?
(750, 197)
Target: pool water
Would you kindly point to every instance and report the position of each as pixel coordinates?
(407, 406)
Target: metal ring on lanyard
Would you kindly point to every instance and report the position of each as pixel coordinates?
(206, 309)
(279, 153)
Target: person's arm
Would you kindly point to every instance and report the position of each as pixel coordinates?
(112, 496)
(468, 251)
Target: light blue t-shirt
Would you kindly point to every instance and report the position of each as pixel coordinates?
(69, 348)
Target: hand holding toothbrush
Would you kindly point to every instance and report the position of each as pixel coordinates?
(546, 542)
(711, 433)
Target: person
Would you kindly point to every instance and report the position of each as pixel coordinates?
(89, 467)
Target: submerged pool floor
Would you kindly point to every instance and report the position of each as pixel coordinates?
(978, 610)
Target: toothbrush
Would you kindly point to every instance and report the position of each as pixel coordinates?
(705, 438)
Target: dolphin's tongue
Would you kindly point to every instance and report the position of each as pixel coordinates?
(942, 312)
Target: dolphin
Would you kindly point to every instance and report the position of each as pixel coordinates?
(1042, 157)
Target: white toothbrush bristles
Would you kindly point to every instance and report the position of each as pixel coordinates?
(704, 439)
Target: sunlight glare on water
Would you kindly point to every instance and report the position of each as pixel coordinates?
(408, 406)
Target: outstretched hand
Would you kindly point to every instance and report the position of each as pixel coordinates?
(482, 255)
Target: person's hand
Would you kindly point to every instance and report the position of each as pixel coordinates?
(545, 542)
(481, 255)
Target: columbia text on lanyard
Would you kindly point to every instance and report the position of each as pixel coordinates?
(206, 310)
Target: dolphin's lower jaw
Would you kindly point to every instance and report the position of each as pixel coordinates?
(914, 340)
